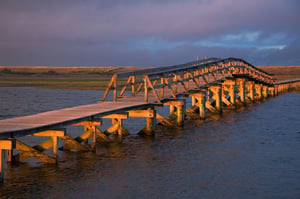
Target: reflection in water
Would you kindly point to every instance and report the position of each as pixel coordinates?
(249, 153)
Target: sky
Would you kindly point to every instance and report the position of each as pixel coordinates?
(148, 32)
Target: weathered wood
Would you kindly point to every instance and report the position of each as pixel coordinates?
(109, 87)
(180, 115)
(163, 121)
(49, 133)
(241, 89)
(22, 126)
(217, 96)
(89, 123)
(7, 144)
(150, 124)
(118, 116)
(1, 165)
(141, 113)
(101, 137)
(72, 144)
(27, 151)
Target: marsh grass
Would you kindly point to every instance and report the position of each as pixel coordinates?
(92, 78)
(82, 78)
(283, 72)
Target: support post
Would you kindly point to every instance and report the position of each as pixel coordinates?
(202, 108)
(116, 120)
(199, 100)
(230, 86)
(271, 91)
(232, 94)
(251, 90)
(217, 96)
(27, 151)
(258, 91)
(180, 115)
(265, 92)
(150, 115)
(1, 165)
(150, 123)
(242, 90)
(4, 145)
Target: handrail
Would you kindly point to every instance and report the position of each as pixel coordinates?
(157, 77)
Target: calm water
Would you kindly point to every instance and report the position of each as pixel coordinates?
(251, 153)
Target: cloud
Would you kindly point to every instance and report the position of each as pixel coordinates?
(102, 31)
(248, 40)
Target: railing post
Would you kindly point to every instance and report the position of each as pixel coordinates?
(145, 89)
(115, 88)
(133, 86)
(162, 81)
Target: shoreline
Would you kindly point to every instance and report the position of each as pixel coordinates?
(92, 78)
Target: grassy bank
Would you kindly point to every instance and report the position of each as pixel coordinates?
(283, 72)
(91, 78)
(82, 78)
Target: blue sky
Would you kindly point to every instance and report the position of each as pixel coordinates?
(148, 32)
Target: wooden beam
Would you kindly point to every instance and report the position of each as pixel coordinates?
(89, 123)
(7, 144)
(149, 84)
(28, 151)
(72, 144)
(175, 103)
(141, 113)
(116, 116)
(49, 133)
(109, 87)
(163, 121)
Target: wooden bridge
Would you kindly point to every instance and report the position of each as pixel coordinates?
(212, 84)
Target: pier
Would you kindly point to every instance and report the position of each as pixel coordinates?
(212, 84)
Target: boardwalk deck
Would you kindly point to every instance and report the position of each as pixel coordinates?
(21, 126)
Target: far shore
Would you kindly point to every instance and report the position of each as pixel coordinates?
(92, 77)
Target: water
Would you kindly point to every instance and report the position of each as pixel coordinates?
(251, 153)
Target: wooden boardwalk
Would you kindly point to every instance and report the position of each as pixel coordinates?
(212, 84)
(21, 126)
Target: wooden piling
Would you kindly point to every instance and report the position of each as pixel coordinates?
(241, 89)
(265, 92)
(250, 85)
(199, 100)
(216, 91)
(258, 91)
(4, 145)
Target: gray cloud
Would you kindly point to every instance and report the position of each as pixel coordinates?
(77, 32)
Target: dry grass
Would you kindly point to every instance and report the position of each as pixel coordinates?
(92, 78)
(283, 72)
(83, 78)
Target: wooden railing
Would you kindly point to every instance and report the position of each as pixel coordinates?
(183, 79)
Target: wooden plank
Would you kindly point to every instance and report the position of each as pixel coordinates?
(88, 123)
(117, 116)
(141, 113)
(7, 144)
(28, 151)
(21, 126)
(49, 133)
(72, 144)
